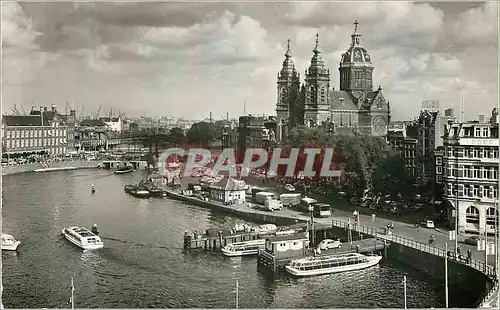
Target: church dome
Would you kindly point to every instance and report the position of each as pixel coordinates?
(356, 54)
(317, 66)
(288, 68)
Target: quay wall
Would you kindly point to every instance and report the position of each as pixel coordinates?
(464, 278)
(236, 210)
(470, 280)
(56, 164)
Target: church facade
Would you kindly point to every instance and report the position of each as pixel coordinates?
(355, 107)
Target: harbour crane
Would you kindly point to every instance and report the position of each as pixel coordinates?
(98, 110)
(15, 111)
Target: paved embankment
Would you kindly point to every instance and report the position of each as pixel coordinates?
(79, 164)
(288, 216)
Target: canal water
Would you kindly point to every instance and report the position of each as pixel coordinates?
(143, 264)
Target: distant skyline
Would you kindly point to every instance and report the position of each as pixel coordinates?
(187, 59)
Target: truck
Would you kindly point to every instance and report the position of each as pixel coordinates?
(322, 210)
(273, 204)
(261, 197)
(290, 200)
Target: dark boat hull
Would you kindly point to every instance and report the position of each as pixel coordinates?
(124, 171)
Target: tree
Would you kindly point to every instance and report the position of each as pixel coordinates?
(391, 176)
(202, 132)
(176, 136)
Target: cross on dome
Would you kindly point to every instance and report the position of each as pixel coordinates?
(316, 47)
(355, 36)
(288, 53)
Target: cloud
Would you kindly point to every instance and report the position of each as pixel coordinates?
(477, 26)
(229, 39)
(174, 58)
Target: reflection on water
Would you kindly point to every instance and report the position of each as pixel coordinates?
(143, 264)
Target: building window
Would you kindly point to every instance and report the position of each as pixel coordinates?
(323, 94)
(439, 170)
(448, 151)
(491, 216)
(485, 132)
(472, 215)
(460, 190)
(477, 132)
(312, 94)
(439, 161)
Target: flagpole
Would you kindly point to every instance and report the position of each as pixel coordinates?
(446, 272)
(237, 297)
(72, 294)
(485, 246)
(404, 286)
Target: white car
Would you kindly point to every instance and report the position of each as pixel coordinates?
(327, 244)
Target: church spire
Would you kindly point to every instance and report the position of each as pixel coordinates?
(288, 53)
(355, 37)
(316, 49)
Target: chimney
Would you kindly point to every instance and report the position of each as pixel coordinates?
(494, 116)
(53, 108)
(72, 112)
(482, 118)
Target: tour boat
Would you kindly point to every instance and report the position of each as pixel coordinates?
(9, 243)
(319, 265)
(123, 170)
(244, 248)
(82, 237)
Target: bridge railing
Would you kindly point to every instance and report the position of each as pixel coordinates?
(424, 247)
(428, 248)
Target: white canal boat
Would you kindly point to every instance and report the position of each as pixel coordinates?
(9, 243)
(319, 265)
(82, 237)
(244, 248)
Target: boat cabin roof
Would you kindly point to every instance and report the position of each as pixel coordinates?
(340, 257)
(251, 242)
(82, 231)
(281, 238)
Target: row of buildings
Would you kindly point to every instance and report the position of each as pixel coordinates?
(48, 132)
(457, 160)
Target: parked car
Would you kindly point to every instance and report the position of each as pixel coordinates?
(290, 188)
(472, 240)
(427, 224)
(327, 244)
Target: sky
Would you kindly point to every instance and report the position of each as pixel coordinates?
(187, 59)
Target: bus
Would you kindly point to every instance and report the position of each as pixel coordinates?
(322, 210)
(305, 203)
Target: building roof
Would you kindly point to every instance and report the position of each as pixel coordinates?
(92, 123)
(229, 184)
(110, 119)
(342, 100)
(280, 238)
(24, 120)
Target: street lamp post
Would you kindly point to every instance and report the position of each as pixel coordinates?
(311, 211)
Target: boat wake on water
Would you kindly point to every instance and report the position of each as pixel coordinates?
(142, 244)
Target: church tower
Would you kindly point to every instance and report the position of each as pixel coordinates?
(317, 85)
(356, 68)
(287, 109)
